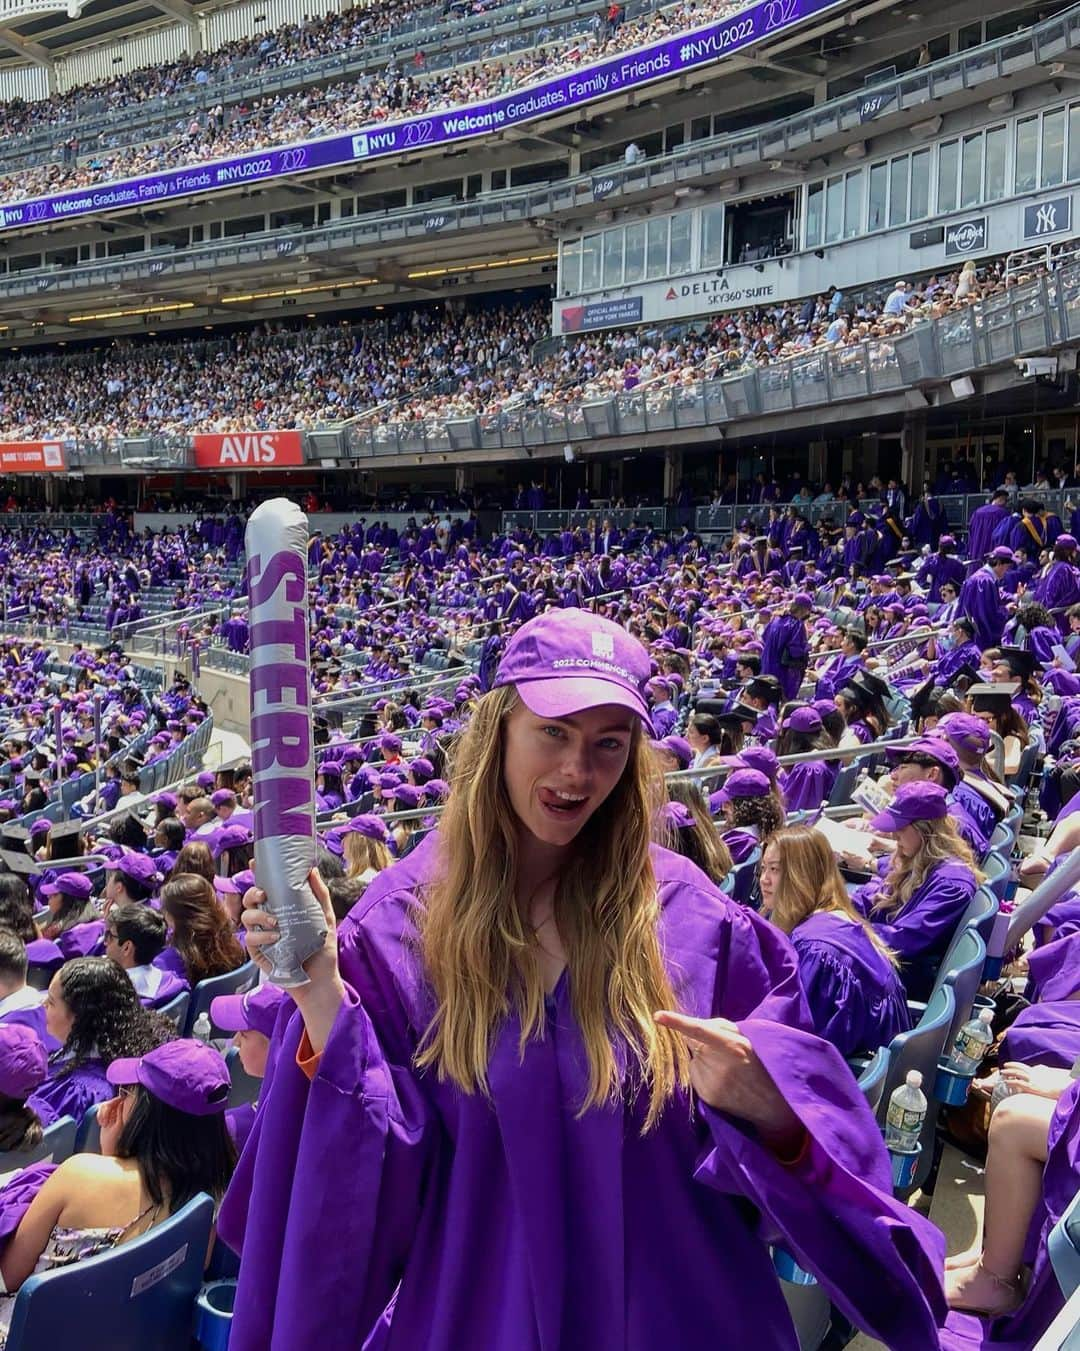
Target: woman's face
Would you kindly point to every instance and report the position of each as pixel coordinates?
(254, 1047)
(908, 842)
(696, 739)
(770, 877)
(59, 1019)
(558, 771)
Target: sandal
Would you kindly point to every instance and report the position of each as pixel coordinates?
(1006, 1292)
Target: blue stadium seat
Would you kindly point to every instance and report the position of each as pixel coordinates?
(871, 1077)
(244, 1088)
(1063, 1247)
(232, 982)
(740, 881)
(997, 869)
(138, 1295)
(921, 1049)
(57, 1142)
(176, 1010)
(88, 1133)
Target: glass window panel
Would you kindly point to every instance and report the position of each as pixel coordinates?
(853, 205)
(815, 201)
(878, 187)
(920, 185)
(570, 280)
(834, 209)
(656, 249)
(712, 236)
(1074, 142)
(613, 252)
(948, 156)
(971, 171)
(995, 164)
(898, 190)
(680, 242)
(1027, 152)
(590, 263)
(1053, 148)
(634, 264)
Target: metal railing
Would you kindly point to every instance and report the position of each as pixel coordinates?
(726, 153)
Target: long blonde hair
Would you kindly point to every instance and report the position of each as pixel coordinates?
(479, 951)
(810, 882)
(940, 841)
(702, 844)
(361, 853)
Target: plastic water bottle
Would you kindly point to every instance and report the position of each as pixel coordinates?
(971, 1044)
(202, 1031)
(906, 1114)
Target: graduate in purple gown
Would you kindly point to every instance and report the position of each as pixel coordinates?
(251, 1018)
(92, 1010)
(806, 785)
(984, 521)
(785, 649)
(917, 906)
(850, 978)
(518, 1156)
(751, 810)
(1058, 585)
(980, 598)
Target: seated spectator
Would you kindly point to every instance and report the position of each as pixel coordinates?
(130, 879)
(808, 783)
(195, 857)
(692, 832)
(751, 811)
(251, 1017)
(203, 943)
(202, 819)
(169, 836)
(73, 922)
(92, 1010)
(24, 1064)
(929, 884)
(163, 1141)
(850, 978)
(135, 936)
(19, 1002)
(364, 844)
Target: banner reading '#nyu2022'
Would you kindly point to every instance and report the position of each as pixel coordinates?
(698, 47)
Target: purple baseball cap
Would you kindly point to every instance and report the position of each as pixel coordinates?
(255, 1011)
(406, 796)
(806, 720)
(75, 885)
(678, 746)
(40, 827)
(742, 783)
(368, 824)
(565, 661)
(421, 768)
(389, 742)
(1001, 554)
(185, 1074)
(436, 790)
(913, 802)
(166, 799)
(1065, 541)
(139, 867)
(936, 747)
(677, 814)
(761, 758)
(223, 797)
(230, 837)
(965, 732)
(205, 779)
(803, 600)
(23, 1061)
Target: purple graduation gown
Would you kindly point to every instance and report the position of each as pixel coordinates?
(922, 930)
(807, 785)
(72, 1094)
(1021, 1330)
(785, 652)
(855, 995)
(511, 1222)
(980, 601)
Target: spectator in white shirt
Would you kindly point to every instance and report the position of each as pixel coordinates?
(897, 299)
(19, 1003)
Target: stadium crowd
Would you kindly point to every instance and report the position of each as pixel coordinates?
(283, 119)
(782, 639)
(425, 364)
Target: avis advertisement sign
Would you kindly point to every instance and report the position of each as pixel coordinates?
(31, 457)
(248, 450)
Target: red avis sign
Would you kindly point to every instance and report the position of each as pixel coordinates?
(32, 457)
(248, 450)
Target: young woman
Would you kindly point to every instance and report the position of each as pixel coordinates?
(73, 923)
(195, 857)
(856, 998)
(203, 942)
(706, 738)
(1000, 715)
(92, 1010)
(862, 702)
(929, 885)
(364, 844)
(692, 832)
(751, 810)
(498, 1053)
(163, 1141)
(808, 783)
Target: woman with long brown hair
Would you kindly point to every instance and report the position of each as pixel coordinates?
(850, 977)
(513, 1092)
(202, 935)
(930, 883)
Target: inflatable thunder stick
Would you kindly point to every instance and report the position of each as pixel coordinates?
(282, 747)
